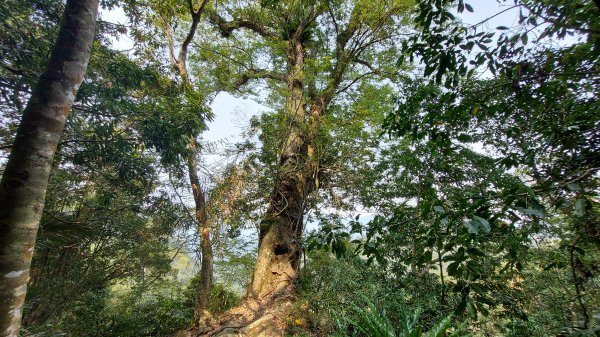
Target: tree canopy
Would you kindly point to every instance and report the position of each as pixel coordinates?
(408, 173)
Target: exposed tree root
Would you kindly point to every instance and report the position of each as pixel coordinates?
(251, 318)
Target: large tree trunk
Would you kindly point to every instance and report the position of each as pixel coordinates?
(270, 294)
(281, 228)
(23, 185)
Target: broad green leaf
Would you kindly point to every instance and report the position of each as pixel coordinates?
(580, 207)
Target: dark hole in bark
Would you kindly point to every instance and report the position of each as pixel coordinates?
(281, 250)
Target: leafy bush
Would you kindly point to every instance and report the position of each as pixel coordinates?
(332, 289)
(221, 297)
(160, 310)
(156, 313)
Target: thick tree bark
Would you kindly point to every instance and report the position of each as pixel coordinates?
(271, 291)
(270, 294)
(23, 185)
(278, 259)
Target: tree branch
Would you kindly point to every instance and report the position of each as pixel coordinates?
(190, 35)
(170, 42)
(228, 27)
(258, 74)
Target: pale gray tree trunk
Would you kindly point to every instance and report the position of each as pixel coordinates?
(23, 185)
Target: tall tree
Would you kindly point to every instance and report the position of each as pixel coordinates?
(315, 51)
(24, 182)
(101, 185)
(178, 61)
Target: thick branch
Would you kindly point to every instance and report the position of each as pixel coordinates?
(190, 35)
(228, 27)
(258, 74)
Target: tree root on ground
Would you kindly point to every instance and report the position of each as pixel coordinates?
(250, 319)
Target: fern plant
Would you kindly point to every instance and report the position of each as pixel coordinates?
(370, 322)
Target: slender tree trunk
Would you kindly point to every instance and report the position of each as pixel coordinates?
(578, 292)
(441, 266)
(23, 185)
(201, 312)
(179, 63)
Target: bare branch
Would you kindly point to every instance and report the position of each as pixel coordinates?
(358, 78)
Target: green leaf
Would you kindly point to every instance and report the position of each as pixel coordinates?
(439, 209)
(485, 223)
(469, 8)
(477, 225)
(475, 251)
(440, 329)
(472, 227)
(453, 269)
(580, 207)
(426, 257)
(471, 310)
(531, 211)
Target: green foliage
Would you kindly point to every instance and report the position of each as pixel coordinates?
(451, 50)
(158, 313)
(334, 292)
(162, 309)
(108, 218)
(372, 323)
(222, 298)
(482, 203)
(520, 120)
(23, 24)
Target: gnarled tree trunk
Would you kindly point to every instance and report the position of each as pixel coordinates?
(23, 185)
(281, 228)
(289, 26)
(270, 293)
